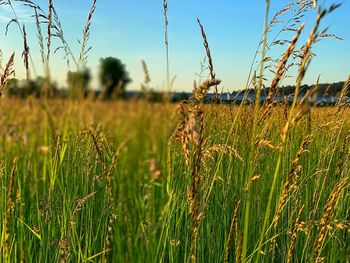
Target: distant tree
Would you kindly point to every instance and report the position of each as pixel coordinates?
(24, 88)
(12, 87)
(181, 97)
(78, 83)
(40, 83)
(41, 87)
(113, 77)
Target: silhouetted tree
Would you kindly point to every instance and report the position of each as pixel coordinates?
(78, 83)
(12, 87)
(25, 88)
(113, 77)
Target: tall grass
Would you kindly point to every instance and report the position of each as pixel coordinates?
(176, 183)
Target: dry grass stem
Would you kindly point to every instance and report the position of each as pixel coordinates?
(233, 227)
(84, 49)
(294, 234)
(25, 53)
(328, 211)
(210, 59)
(291, 182)
(49, 26)
(7, 72)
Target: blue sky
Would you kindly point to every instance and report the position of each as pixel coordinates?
(134, 29)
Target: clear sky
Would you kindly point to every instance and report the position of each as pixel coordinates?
(134, 29)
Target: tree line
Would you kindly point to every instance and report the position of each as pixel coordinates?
(113, 77)
(324, 89)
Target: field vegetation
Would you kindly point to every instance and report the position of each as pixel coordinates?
(98, 180)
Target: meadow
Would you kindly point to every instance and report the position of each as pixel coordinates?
(91, 184)
(94, 180)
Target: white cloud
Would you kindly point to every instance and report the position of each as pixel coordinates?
(24, 14)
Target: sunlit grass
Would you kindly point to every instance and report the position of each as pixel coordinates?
(62, 209)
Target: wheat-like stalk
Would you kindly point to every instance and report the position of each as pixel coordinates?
(210, 59)
(343, 93)
(49, 26)
(59, 33)
(282, 67)
(81, 202)
(40, 37)
(307, 54)
(25, 53)
(294, 234)
(7, 72)
(9, 211)
(233, 227)
(190, 132)
(194, 130)
(147, 77)
(328, 211)
(291, 180)
(84, 49)
(166, 42)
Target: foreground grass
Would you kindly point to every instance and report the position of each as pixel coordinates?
(93, 182)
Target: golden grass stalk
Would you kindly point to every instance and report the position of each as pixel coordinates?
(210, 59)
(233, 227)
(291, 180)
(113, 163)
(328, 211)
(25, 53)
(239, 246)
(292, 117)
(306, 56)
(190, 132)
(98, 151)
(84, 50)
(294, 235)
(40, 37)
(282, 67)
(7, 72)
(222, 149)
(181, 133)
(200, 93)
(64, 250)
(16, 21)
(305, 62)
(344, 91)
(112, 216)
(296, 7)
(49, 26)
(251, 181)
(59, 33)
(166, 41)
(81, 203)
(9, 211)
(147, 77)
(107, 173)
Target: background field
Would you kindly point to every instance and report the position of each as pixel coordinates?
(90, 176)
(96, 181)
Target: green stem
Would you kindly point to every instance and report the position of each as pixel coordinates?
(255, 124)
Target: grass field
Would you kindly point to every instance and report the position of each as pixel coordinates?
(102, 180)
(109, 181)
